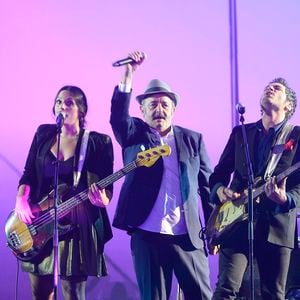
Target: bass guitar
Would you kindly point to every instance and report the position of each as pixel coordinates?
(225, 217)
(27, 240)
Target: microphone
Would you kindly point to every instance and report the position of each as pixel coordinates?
(127, 60)
(240, 108)
(60, 118)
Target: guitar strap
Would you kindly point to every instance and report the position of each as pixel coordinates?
(278, 149)
(82, 154)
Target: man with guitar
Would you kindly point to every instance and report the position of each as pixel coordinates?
(159, 206)
(274, 149)
(80, 248)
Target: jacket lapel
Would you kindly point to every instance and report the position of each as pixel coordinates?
(178, 140)
(251, 140)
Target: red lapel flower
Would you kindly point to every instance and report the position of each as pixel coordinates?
(289, 145)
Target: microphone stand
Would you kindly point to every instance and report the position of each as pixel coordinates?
(250, 205)
(59, 124)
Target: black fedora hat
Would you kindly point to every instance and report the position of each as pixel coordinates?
(156, 86)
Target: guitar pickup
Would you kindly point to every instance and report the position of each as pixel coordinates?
(14, 240)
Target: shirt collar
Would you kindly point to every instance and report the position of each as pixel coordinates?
(169, 134)
(276, 128)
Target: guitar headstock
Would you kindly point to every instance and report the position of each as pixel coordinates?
(148, 157)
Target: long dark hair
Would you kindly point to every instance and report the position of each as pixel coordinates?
(80, 99)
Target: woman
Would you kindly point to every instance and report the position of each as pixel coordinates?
(81, 249)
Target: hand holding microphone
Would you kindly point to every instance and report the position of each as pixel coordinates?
(134, 59)
(131, 63)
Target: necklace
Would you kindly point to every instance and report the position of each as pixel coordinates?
(70, 136)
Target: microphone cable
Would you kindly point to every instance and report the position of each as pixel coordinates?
(17, 280)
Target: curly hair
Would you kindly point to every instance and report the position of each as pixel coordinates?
(290, 95)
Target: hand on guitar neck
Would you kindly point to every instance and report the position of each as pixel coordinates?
(98, 197)
(276, 191)
(226, 194)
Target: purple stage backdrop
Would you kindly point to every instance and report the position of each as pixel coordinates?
(47, 44)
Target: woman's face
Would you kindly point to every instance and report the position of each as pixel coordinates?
(66, 104)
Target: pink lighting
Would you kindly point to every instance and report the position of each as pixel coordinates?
(48, 44)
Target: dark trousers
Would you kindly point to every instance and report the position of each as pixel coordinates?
(73, 288)
(273, 264)
(157, 256)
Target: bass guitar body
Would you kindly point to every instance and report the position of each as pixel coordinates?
(28, 240)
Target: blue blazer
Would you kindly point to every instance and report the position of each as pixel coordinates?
(141, 187)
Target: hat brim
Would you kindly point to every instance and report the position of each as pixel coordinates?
(172, 96)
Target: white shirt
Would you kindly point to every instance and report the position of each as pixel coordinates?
(167, 215)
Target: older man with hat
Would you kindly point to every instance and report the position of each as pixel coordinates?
(159, 206)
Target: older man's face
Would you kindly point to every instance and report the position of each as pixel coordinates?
(158, 112)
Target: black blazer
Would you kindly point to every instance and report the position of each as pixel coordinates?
(98, 164)
(141, 187)
(277, 223)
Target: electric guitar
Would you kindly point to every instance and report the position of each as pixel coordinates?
(225, 217)
(27, 240)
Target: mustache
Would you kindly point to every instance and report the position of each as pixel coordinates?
(158, 116)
